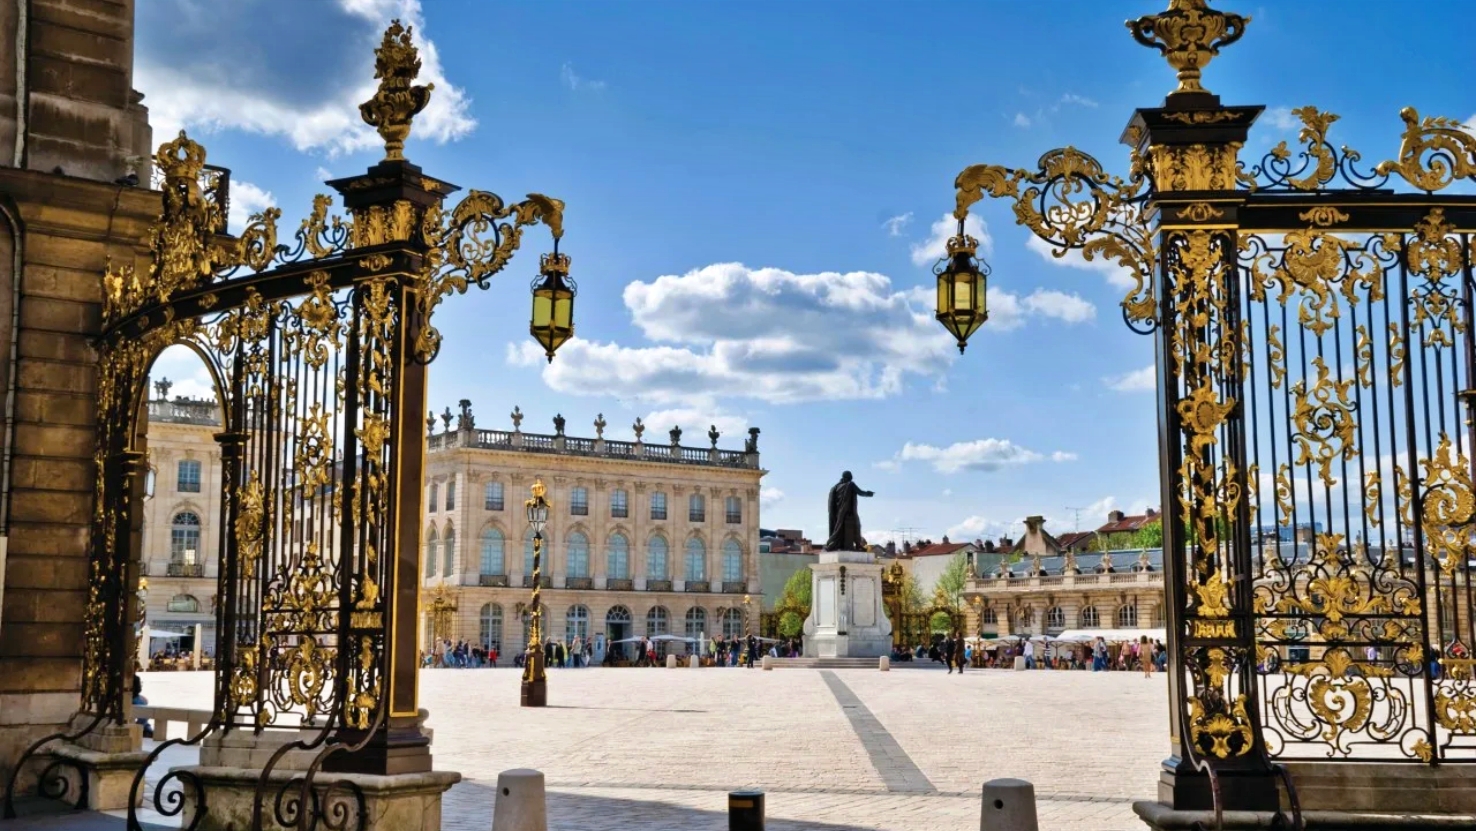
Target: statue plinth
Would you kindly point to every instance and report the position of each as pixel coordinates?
(847, 619)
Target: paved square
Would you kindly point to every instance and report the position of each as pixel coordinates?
(907, 749)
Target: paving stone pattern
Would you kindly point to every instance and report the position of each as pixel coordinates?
(843, 749)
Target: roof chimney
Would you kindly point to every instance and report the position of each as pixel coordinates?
(1152, 512)
(1114, 516)
(945, 539)
(891, 548)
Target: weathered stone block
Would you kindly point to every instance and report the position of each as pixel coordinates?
(67, 507)
(30, 541)
(55, 376)
(66, 283)
(56, 346)
(44, 606)
(54, 474)
(20, 674)
(60, 315)
(408, 802)
(40, 640)
(54, 439)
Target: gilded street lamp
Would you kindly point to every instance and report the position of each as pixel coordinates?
(962, 282)
(553, 303)
(535, 681)
(747, 607)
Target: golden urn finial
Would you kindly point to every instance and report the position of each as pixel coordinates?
(1188, 34)
(538, 489)
(396, 102)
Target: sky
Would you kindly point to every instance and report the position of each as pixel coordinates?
(756, 193)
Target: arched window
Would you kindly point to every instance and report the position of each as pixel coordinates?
(696, 508)
(448, 552)
(576, 623)
(732, 561)
(1127, 616)
(184, 538)
(696, 560)
(184, 603)
(657, 567)
(528, 554)
(617, 615)
(732, 623)
(430, 553)
(492, 626)
(1055, 620)
(1089, 618)
(576, 548)
(657, 622)
(696, 622)
(494, 559)
(617, 557)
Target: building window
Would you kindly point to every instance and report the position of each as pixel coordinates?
(1055, 620)
(492, 626)
(576, 623)
(448, 552)
(658, 505)
(732, 623)
(434, 494)
(697, 623)
(451, 495)
(579, 502)
(696, 508)
(696, 560)
(492, 496)
(494, 549)
(1127, 617)
(657, 622)
(1089, 618)
(184, 538)
(733, 510)
(656, 566)
(619, 504)
(617, 557)
(577, 547)
(189, 476)
(990, 618)
(732, 562)
(429, 557)
(184, 603)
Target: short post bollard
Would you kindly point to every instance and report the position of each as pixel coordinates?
(521, 802)
(768, 662)
(884, 663)
(671, 662)
(693, 662)
(1009, 805)
(746, 811)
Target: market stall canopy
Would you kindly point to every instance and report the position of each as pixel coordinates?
(1111, 635)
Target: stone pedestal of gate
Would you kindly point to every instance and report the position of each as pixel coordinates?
(103, 763)
(846, 615)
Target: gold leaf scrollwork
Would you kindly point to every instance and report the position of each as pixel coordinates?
(1219, 726)
(1275, 356)
(397, 100)
(1373, 498)
(1202, 116)
(1194, 167)
(1323, 216)
(1326, 428)
(1284, 495)
(249, 526)
(1200, 212)
(1434, 152)
(1345, 698)
(1396, 355)
(1314, 134)
(1447, 508)
(1435, 256)
(1363, 353)
(1189, 34)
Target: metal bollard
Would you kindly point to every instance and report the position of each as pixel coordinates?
(522, 804)
(1009, 805)
(746, 811)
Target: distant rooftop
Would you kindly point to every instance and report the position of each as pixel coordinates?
(465, 433)
(183, 410)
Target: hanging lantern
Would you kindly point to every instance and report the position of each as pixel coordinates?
(962, 282)
(553, 303)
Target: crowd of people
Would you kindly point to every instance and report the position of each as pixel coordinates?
(461, 654)
(956, 652)
(170, 659)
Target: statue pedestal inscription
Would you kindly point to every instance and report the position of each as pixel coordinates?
(847, 619)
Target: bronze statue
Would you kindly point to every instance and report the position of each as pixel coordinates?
(845, 525)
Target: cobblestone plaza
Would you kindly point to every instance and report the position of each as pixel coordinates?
(907, 749)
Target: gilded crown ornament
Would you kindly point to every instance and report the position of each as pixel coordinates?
(397, 101)
(1189, 34)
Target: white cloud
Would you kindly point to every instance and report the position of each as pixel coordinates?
(1069, 308)
(1096, 513)
(191, 82)
(1139, 380)
(887, 465)
(1116, 275)
(895, 225)
(935, 247)
(727, 330)
(1021, 120)
(322, 174)
(975, 527)
(574, 81)
(979, 455)
(695, 423)
(246, 199)
(1082, 100)
(1281, 118)
(947, 492)
(770, 495)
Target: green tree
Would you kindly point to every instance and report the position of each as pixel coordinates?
(1150, 536)
(952, 582)
(940, 623)
(912, 595)
(794, 603)
(791, 624)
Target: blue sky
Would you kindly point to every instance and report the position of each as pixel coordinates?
(752, 192)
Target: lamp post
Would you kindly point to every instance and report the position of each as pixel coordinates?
(535, 681)
(747, 606)
(962, 283)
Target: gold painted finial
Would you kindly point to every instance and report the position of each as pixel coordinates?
(1188, 34)
(396, 102)
(538, 489)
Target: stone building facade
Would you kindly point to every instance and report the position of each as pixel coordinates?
(1046, 595)
(642, 539)
(74, 143)
(181, 537)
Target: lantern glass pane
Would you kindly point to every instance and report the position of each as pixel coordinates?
(563, 310)
(542, 308)
(963, 293)
(944, 305)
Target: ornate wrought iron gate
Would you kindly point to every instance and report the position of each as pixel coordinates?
(1314, 338)
(318, 351)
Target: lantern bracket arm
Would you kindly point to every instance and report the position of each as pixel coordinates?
(472, 242)
(1071, 203)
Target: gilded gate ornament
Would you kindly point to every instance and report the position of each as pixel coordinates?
(1434, 153)
(1326, 427)
(398, 99)
(1189, 35)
